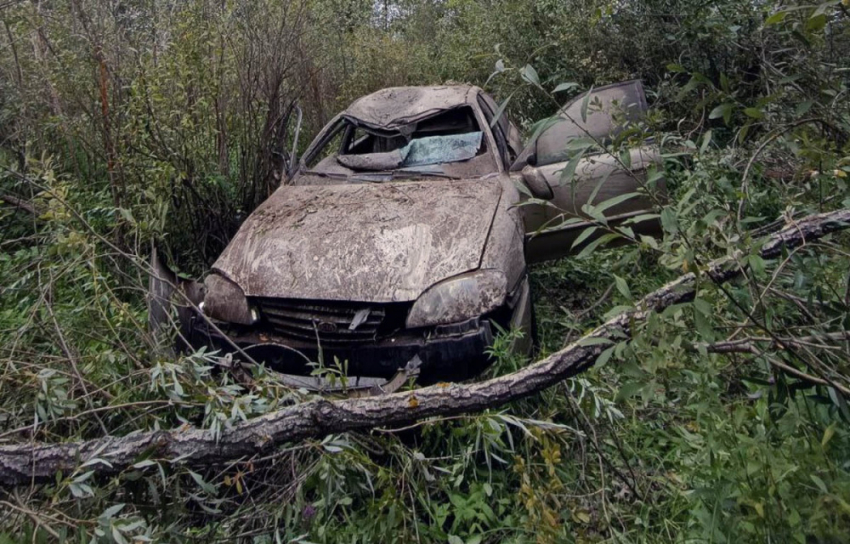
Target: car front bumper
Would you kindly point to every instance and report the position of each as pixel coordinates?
(448, 353)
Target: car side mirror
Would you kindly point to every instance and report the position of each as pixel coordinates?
(537, 183)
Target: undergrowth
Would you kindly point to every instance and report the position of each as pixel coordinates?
(665, 439)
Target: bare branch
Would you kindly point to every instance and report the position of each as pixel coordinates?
(749, 345)
(19, 203)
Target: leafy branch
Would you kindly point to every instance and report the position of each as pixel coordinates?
(25, 463)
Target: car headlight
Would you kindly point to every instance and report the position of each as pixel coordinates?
(226, 301)
(459, 298)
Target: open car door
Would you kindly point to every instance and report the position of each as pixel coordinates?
(563, 180)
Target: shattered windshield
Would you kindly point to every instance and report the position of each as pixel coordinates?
(439, 149)
(448, 144)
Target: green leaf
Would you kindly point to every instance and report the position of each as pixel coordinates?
(599, 184)
(790, 79)
(595, 341)
(585, 234)
(828, 434)
(96, 461)
(111, 512)
(706, 140)
(757, 264)
(129, 526)
(742, 134)
(776, 18)
(584, 104)
(117, 536)
(540, 126)
(529, 74)
(579, 145)
(649, 241)
(83, 477)
(591, 247)
(692, 84)
(839, 401)
(126, 214)
(723, 110)
(669, 221)
(676, 68)
(626, 157)
(755, 113)
(605, 356)
(522, 188)
(816, 23)
(803, 107)
(818, 482)
(209, 488)
(500, 110)
(611, 202)
(568, 172)
(628, 390)
(565, 87)
(622, 287)
(703, 306)
(702, 323)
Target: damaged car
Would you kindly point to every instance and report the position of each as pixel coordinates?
(403, 234)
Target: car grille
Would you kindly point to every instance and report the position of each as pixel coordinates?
(329, 321)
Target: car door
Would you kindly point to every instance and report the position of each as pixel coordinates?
(554, 213)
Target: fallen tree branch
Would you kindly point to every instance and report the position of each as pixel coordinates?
(25, 463)
(749, 346)
(19, 203)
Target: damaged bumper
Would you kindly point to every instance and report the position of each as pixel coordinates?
(447, 353)
(293, 336)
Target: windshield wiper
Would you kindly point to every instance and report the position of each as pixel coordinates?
(381, 175)
(426, 173)
(325, 174)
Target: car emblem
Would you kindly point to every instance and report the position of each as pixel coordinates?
(326, 327)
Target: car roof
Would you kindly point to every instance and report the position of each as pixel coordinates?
(397, 106)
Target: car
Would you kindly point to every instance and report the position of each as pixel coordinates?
(402, 237)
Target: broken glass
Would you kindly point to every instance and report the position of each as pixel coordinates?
(430, 150)
(442, 149)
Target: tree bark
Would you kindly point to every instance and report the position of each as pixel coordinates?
(19, 203)
(26, 463)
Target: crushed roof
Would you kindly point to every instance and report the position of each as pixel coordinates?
(397, 106)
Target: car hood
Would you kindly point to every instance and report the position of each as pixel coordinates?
(375, 242)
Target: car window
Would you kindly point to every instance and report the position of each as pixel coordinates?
(362, 141)
(449, 143)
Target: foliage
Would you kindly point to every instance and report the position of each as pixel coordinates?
(127, 122)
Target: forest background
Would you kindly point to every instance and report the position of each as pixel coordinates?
(124, 122)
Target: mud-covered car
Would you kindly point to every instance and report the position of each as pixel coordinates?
(405, 230)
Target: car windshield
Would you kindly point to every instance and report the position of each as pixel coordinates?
(449, 144)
